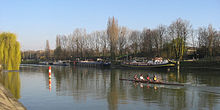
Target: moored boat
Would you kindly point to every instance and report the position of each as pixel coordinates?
(93, 63)
(61, 63)
(154, 63)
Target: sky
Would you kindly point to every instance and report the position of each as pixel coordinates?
(35, 21)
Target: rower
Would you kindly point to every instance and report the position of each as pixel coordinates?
(154, 78)
(148, 78)
(135, 77)
(142, 77)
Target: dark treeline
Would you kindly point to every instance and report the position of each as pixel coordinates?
(176, 41)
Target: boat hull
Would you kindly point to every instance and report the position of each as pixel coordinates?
(93, 64)
(152, 82)
(168, 65)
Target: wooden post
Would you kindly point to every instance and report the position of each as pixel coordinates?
(178, 66)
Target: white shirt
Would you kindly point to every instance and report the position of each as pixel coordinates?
(141, 77)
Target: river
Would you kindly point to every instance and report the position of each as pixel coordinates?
(84, 88)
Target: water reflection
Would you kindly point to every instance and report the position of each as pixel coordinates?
(88, 86)
(113, 93)
(11, 81)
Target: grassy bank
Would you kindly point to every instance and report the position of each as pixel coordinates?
(29, 62)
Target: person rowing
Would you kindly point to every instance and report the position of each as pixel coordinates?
(142, 77)
(148, 78)
(155, 78)
(135, 77)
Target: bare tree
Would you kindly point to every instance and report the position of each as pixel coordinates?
(122, 40)
(193, 41)
(71, 45)
(163, 41)
(64, 46)
(134, 41)
(147, 42)
(210, 39)
(80, 36)
(202, 37)
(161, 33)
(104, 42)
(58, 41)
(95, 42)
(179, 31)
(216, 43)
(155, 41)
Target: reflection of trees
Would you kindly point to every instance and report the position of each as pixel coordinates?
(210, 78)
(208, 100)
(81, 82)
(11, 81)
(178, 99)
(101, 84)
(176, 77)
(58, 74)
(113, 93)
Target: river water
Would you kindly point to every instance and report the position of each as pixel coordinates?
(84, 88)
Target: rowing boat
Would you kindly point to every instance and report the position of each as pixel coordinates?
(152, 82)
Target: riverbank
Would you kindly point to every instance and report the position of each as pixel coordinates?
(7, 101)
(196, 65)
(200, 64)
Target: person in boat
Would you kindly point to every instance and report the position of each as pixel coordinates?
(142, 77)
(155, 78)
(135, 77)
(148, 78)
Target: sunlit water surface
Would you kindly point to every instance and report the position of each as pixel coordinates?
(83, 88)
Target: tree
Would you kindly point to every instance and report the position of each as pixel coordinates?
(169, 42)
(179, 32)
(216, 44)
(80, 38)
(134, 41)
(58, 50)
(58, 53)
(47, 50)
(156, 41)
(71, 45)
(147, 42)
(112, 31)
(104, 42)
(178, 47)
(161, 32)
(10, 55)
(122, 40)
(208, 40)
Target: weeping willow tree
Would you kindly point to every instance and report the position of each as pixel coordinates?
(10, 55)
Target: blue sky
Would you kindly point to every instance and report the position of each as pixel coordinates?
(35, 21)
